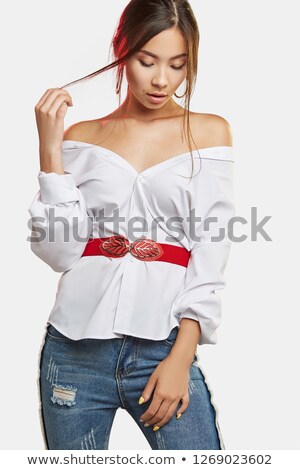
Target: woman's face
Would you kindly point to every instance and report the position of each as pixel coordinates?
(159, 67)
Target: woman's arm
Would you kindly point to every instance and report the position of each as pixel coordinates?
(171, 377)
(60, 223)
(186, 342)
(198, 306)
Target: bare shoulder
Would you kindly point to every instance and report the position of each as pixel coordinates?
(213, 129)
(82, 131)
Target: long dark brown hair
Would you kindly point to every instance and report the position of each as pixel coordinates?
(140, 21)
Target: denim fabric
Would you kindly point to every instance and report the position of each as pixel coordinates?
(83, 383)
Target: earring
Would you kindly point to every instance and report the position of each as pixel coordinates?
(119, 81)
(118, 86)
(183, 93)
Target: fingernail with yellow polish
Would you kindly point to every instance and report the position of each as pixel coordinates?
(178, 416)
(141, 400)
(155, 428)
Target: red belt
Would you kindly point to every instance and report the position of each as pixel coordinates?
(142, 249)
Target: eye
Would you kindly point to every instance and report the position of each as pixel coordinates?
(178, 68)
(150, 65)
(144, 65)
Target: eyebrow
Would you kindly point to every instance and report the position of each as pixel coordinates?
(184, 54)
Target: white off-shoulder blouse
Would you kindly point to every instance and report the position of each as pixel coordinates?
(101, 195)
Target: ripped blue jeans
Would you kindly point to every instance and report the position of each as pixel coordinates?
(83, 383)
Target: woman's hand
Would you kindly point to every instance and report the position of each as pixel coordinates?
(169, 381)
(50, 112)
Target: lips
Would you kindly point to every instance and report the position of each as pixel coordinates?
(158, 95)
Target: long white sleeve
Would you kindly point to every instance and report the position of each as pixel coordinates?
(199, 299)
(60, 223)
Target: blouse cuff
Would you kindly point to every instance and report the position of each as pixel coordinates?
(56, 188)
(208, 334)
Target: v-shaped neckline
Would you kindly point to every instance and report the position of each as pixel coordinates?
(151, 168)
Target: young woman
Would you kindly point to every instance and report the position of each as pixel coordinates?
(124, 213)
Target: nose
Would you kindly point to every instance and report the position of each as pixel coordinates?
(160, 79)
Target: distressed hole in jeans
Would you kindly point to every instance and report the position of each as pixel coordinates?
(64, 395)
(89, 441)
(160, 440)
(52, 372)
(191, 386)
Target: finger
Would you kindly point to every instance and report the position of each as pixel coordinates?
(161, 412)
(50, 98)
(43, 98)
(170, 411)
(152, 409)
(148, 390)
(57, 104)
(185, 403)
